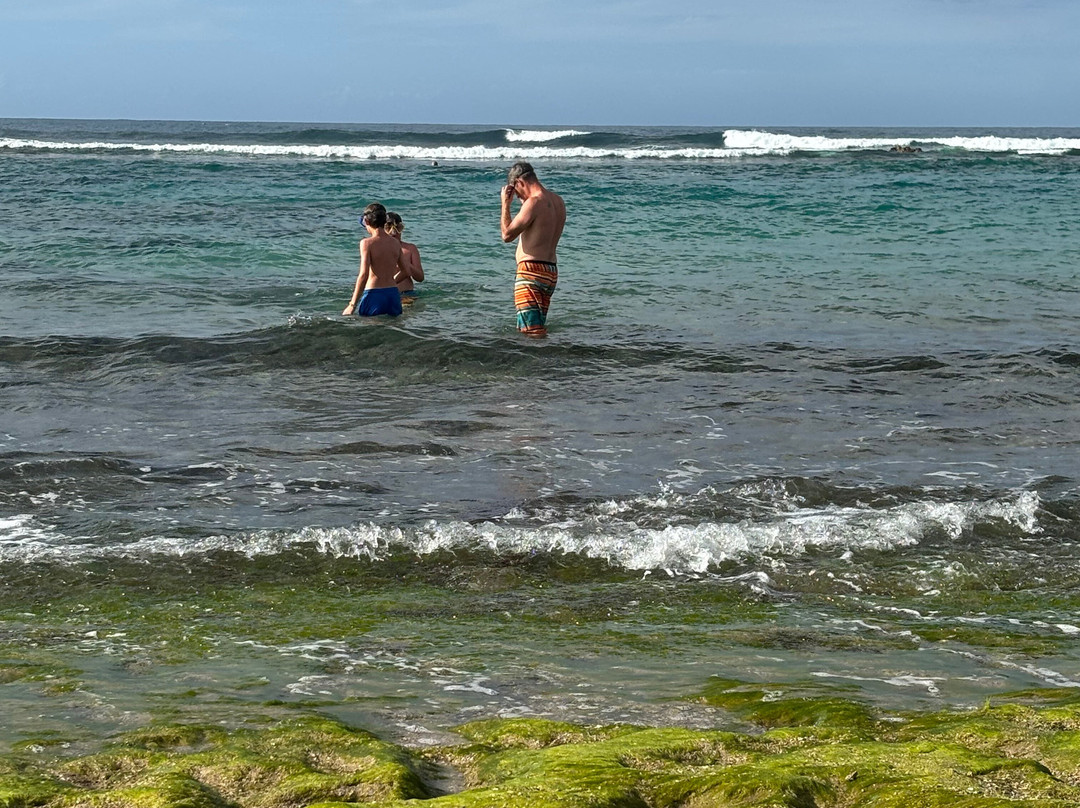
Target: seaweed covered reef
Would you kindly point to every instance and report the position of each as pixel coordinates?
(804, 746)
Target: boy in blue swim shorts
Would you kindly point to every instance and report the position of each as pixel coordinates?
(380, 301)
(382, 265)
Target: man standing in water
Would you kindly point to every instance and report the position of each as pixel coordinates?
(539, 224)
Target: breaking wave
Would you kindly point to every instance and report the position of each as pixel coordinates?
(530, 144)
(541, 136)
(646, 533)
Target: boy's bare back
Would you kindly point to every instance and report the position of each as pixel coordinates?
(385, 263)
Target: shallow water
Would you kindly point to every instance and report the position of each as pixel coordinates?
(808, 410)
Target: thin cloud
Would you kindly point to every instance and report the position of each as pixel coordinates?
(75, 10)
(778, 22)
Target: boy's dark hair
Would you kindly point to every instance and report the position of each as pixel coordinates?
(375, 214)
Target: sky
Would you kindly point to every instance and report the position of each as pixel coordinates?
(989, 63)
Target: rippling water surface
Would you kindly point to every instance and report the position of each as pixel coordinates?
(808, 410)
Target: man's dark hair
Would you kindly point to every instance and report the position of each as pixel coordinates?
(375, 214)
(520, 171)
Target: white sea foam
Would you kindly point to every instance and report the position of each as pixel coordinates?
(678, 549)
(21, 537)
(754, 141)
(522, 145)
(377, 152)
(905, 680)
(1056, 145)
(760, 142)
(540, 136)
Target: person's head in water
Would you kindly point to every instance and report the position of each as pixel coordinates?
(521, 172)
(394, 225)
(374, 216)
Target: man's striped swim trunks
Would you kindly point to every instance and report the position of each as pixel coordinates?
(533, 287)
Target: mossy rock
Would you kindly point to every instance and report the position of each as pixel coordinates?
(21, 790)
(173, 737)
(1021, 753)
(158, 790)
(13, 673)
(109, 770)
(1020, 644)
(799, 639)
(674, 768)
(614, 770)
(293, 763)
(788, 705)
(530, 733)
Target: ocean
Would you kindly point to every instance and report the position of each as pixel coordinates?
(808, 412)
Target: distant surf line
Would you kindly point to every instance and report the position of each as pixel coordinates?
(534, 145)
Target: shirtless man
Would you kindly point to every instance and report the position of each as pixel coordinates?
(382, 265)
(539, 223)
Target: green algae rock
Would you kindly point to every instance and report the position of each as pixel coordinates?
(788, 705)
(294, 763)
(614, 770)
(12, 673)
(811, 749)
(19, 790)
(529, 733)
(160, 790)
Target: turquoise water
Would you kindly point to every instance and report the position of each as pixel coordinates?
(808, 410)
